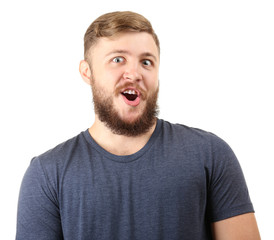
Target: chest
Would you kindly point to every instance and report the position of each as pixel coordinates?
(162, 180)
(134, 197)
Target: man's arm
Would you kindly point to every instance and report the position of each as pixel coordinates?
(38, 212)
(241, 227)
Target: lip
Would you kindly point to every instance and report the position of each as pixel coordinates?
(132, 88)
(134, 103)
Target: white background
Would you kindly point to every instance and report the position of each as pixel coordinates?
(217, 69)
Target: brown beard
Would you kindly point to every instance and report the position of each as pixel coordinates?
(104, 108)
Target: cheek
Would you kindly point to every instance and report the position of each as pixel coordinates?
(112, 74)
(152, 80)
(106, 77)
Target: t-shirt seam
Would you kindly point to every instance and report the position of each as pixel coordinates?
(105, 154)
(48, 183)
(120, 161)
(222, 213)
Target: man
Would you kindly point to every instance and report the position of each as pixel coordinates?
(132, 175)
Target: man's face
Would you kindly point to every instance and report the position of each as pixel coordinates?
(125, 82)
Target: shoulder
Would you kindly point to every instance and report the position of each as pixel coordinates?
(192, 135)
(202, 145)
(60, 154)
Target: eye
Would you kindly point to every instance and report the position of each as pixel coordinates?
(118, 59)
(147, 62)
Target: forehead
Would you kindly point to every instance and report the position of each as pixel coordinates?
(131, 42)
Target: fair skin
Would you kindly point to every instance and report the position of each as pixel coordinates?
(134, 58)
(115, 62)
(242, 227)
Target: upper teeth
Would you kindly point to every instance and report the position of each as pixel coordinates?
(130, 92)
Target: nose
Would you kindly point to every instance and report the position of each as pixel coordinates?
(132, 73)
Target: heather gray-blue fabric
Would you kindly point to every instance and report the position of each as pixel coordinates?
(182, 180)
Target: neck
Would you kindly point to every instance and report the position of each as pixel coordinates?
(112, 142)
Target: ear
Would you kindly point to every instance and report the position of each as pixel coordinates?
(85, 71)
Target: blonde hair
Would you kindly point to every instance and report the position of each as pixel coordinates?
(110, 24)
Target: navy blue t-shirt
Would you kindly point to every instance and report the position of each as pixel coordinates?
(180, 182)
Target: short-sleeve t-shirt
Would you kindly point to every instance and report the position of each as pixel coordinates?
(180, 182)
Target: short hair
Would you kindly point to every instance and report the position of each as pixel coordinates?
(112, 23)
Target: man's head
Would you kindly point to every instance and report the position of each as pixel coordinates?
(122, 65)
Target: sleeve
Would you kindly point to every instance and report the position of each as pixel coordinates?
(228, 193)
(38, 212)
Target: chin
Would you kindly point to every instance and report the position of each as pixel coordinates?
(131, 116)
(131, 119)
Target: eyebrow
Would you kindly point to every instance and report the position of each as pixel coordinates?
(148, 54)
(145, 54)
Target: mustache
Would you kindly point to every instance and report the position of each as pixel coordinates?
(142, 92)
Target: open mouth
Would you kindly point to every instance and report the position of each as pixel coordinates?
(131, 95)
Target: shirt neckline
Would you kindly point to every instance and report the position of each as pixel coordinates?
(125, 158)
